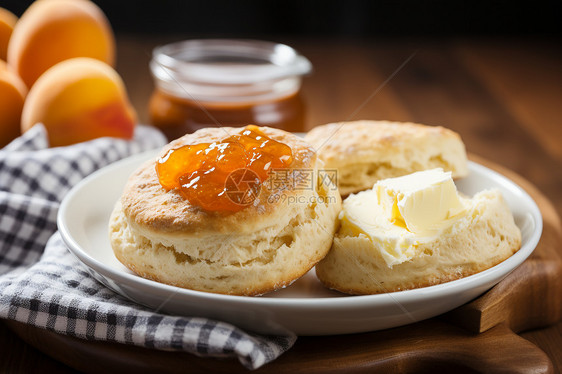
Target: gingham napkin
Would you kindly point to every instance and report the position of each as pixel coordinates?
(43, 285)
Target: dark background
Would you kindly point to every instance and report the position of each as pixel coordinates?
(354, 18)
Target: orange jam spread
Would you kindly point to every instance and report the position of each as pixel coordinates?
(226, 175)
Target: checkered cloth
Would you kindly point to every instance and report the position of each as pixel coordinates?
(43, 285)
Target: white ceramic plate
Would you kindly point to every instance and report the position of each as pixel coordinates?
(306, 307)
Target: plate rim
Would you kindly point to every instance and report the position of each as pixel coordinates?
(344, 301)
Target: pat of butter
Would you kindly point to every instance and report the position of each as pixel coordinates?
(399, 214)
(422, 202)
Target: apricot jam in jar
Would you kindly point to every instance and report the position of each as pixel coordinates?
(226, 82)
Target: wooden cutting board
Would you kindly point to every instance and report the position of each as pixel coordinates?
(480, 336)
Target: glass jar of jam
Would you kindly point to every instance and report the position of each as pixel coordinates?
(225, 82)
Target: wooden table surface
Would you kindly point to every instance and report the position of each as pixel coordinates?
(504, 96)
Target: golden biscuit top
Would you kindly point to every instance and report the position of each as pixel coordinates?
(148, 205)
(341, 142)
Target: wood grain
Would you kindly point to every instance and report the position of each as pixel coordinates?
(429, 346)
(527, 81)
(472, 86)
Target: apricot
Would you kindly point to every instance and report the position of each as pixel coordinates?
(51, 31)
(77, 100)
(12, 96)
(7, 23)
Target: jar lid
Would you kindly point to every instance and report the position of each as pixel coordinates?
(227, 61)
